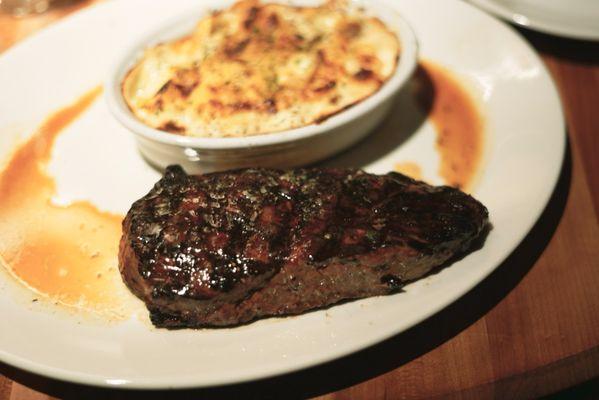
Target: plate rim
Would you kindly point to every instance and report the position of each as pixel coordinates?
(533, 22)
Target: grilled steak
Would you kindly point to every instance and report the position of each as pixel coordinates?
(226, 248)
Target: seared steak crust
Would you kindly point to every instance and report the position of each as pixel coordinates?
(226, 248)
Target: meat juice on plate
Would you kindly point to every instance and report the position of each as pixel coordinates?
(64, 253)
(458, 124)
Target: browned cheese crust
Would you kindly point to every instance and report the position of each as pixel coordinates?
(260, 68)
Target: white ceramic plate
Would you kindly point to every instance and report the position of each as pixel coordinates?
(576, 19)
(524, 151)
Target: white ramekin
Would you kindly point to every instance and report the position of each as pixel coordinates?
(290, 148)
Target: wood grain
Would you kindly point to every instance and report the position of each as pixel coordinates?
(574, 79)
(530, 329)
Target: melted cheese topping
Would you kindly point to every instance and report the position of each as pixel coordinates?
(259, 68)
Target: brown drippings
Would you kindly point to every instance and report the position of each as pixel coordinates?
(68, 254)
(457, 120)
(410, 169)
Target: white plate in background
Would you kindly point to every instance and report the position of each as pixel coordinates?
(523, 157)
(575, 19)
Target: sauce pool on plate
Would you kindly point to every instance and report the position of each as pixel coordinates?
(64, 253)
(458, 123)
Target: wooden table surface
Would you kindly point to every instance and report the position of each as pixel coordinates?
(529, 330)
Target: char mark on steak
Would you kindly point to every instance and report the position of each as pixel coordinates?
(226, 248)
